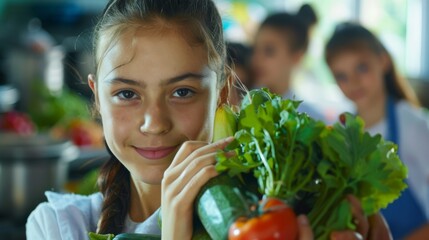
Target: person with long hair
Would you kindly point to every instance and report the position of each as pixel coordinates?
(160, 75)
(366, 74)
(280, 45)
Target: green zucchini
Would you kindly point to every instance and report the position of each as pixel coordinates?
(219, 204)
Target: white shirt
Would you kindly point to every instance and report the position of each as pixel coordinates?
(413, 124)
(72, 217)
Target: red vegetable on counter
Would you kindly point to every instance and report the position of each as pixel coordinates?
(16, 122)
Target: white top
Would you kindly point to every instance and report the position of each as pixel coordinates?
(71, 217)
(413, 124)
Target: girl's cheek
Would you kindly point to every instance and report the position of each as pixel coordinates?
(195, 120)
(117, 120)
(196, 127)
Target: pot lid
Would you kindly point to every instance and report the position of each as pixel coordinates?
(13, 146)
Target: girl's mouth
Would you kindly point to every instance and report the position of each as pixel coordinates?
(154, 153)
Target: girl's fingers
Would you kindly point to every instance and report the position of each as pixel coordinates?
(185, 150)
(193, 149)
(346, 235)
(379, 230)
(193, 156)
(191, 170)
(305, 231)
(359, 218)
(189, 192)
(208, 148)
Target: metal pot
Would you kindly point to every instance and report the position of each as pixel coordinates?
(29, 166)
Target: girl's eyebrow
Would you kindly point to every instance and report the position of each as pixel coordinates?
(118, 80)
(188, 75)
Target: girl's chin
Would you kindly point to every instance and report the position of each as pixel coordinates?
(363, 103)
(149, 180)
(150, 175)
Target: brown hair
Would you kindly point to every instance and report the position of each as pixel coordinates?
(352, 36)
(200, 22)
(296, 27)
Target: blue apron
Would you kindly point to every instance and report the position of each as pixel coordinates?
(405, 214)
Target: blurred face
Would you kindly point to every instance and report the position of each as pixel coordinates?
(272, 59)
(154, 92)
(360, 76)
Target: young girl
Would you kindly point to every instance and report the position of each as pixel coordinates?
(160, 75)
(365, 73)
(279, 47)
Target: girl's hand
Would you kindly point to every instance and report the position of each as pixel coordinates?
(374, 227)
(191, 168)
(378, 228)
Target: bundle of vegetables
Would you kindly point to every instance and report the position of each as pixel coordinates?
(299, 161)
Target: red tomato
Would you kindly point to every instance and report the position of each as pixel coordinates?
(278, 221)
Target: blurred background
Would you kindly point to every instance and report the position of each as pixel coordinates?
(46, 55)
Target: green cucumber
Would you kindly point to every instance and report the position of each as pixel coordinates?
(137, 236)
(219, 203)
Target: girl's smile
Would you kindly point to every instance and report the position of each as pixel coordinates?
(155, 153)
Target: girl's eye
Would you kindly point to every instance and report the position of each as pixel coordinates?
(340, 78)
(269, 51)
(126, 95)
(183, 93)
(362, 68)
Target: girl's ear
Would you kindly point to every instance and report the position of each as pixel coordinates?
(93, 85)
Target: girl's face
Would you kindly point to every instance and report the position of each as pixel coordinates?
(272, 59)
(360, 75)
(154, 91)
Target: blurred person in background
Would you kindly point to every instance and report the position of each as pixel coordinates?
(238, 57)
(366, 74)
(280, 45)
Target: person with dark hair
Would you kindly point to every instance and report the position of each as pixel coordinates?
(279, 47)
(238, 58)
(366, 74)
(161, 74)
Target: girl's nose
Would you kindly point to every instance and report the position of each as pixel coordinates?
(156, 120)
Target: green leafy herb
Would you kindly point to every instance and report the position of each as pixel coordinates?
(311, 165)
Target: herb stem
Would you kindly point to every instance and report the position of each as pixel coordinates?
(331, 201)
(269, 186)
(288, 164)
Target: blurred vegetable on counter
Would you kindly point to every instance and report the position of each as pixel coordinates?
(48, 110)
(17, 122)
(64, 115)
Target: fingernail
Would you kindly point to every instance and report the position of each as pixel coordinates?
(302, 220)
(229, 139)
